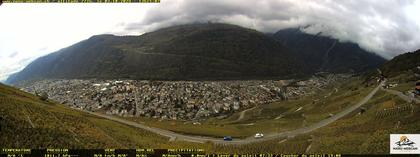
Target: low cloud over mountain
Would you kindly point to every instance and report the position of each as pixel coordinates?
(385, 27)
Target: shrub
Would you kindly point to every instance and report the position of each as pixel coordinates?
(43, 96)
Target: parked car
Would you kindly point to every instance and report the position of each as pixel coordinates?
(259, 135)
(227, 138)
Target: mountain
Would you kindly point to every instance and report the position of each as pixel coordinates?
(201, 51)
(322, 53)
(195, 51)
(401, 63)
(27, 121)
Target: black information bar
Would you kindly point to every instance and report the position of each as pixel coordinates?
(157, 153)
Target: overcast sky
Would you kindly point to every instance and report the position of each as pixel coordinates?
(386, 27)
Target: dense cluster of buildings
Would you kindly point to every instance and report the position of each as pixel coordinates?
(185, 100)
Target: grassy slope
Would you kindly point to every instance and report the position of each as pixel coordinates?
(406, 81)
(366, 133)
(369, 132)
(402, 63)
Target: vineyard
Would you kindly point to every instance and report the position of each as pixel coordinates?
(291, 145)
(27, 121)
(395, 111)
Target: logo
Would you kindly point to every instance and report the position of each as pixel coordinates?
(404, 143)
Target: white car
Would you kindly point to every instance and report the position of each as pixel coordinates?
(259, 135)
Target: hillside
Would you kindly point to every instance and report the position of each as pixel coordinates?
(322, 53)
(28, 122)
(186, 52)
(201, 52)
(402, 63)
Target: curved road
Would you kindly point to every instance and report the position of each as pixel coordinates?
(402, 95)
(242, 115)
(271, 136)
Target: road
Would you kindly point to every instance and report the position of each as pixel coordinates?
(242, 115)
(271, 136)
(402, 95)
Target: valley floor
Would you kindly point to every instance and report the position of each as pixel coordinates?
(270, 136)
(343, 118)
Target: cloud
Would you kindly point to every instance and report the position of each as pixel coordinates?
(14, 67)
(381, 26)
(61, 25)
(14, 54)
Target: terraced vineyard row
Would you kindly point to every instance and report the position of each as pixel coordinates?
(395, 111)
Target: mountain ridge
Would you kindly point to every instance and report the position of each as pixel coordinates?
(402, 63)
(184, 52)
(187, 52)
(328, 54)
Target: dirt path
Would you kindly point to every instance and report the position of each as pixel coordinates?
(242, 115)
